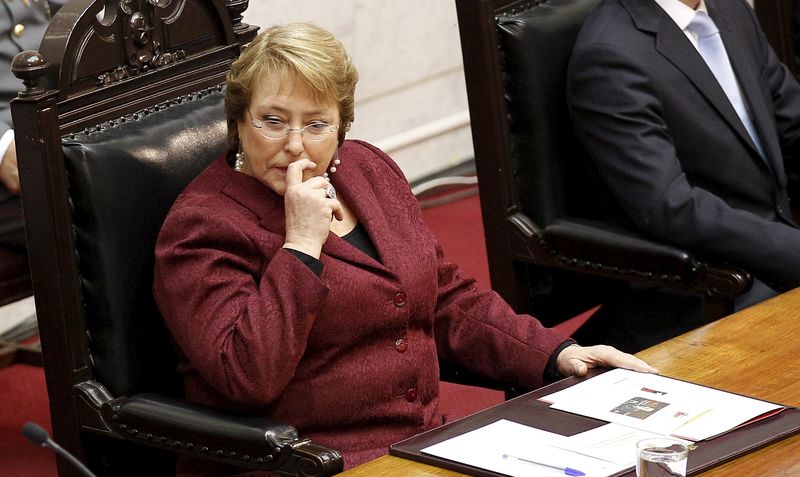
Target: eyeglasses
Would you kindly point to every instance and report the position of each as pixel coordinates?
(278, 130)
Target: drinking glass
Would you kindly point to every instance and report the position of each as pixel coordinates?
(661, 457)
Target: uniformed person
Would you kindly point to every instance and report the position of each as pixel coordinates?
(22, 26)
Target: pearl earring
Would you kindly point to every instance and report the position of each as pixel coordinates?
(334, 164)
(238, 166)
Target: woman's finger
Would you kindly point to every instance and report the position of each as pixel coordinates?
(294, 172)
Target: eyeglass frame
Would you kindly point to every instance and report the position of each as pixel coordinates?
(259, 124)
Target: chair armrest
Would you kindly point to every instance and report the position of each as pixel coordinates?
(200, 431)
(603, 249)
(617, 248)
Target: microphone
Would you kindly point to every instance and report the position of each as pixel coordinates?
(36, 434)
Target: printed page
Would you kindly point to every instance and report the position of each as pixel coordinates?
(611, 442)
(658, 404)
(517, 450)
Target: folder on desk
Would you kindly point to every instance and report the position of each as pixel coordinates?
(530, 411)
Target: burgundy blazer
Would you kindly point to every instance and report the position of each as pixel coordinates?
(350, 358)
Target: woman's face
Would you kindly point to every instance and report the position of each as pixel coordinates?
(283, 98)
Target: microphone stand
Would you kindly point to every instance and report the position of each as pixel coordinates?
(36, 434)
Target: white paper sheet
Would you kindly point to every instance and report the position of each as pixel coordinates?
(658, 404)
(611, 442)
(486, 447)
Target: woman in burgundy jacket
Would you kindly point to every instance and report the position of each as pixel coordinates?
(299, 280)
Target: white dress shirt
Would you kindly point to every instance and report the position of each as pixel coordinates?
(682, 15)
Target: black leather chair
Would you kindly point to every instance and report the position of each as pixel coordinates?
(552, 235)
(780, 20)
(122, 107)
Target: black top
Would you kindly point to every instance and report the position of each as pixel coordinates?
(357, 237)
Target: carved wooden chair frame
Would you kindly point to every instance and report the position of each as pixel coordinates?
(103, 62)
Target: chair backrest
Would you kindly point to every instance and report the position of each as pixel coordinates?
(550, 166)
(528, 160)
(123, 106)
(780, 20)
(123, 179)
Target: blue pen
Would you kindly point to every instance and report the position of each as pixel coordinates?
(566, 470)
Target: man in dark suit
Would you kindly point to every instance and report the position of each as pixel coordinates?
(22, 26)
(693, 159)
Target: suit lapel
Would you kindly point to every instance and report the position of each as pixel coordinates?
(256, 197)
(738, 50)
(672, 43)
(362, 199)
(269, 209)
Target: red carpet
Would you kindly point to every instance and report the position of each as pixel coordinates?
(459, 228)
(23, 398)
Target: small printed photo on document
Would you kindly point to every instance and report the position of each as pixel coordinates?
(639, 407)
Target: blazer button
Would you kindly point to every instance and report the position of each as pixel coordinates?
(401, 345)
(400, 299)
(411, 395)
(19, 29)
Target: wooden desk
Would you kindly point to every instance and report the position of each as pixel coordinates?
(753, 352)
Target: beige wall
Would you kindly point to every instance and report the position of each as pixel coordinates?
(411, 99)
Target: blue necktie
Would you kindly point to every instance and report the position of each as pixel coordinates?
(710, 46)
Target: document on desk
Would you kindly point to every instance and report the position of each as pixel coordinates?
(660, 405)
(517, 450)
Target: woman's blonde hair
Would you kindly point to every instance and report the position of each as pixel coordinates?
(310, 53)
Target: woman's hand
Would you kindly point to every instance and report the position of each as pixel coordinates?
(309, 211)
(576, 360)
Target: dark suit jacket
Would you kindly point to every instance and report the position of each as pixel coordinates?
(669, 145)
(349, 357)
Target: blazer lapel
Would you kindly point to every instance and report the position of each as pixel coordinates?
(257, 198)
(672, 43)
(367, 207)
(738, 50)
(268, 207)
